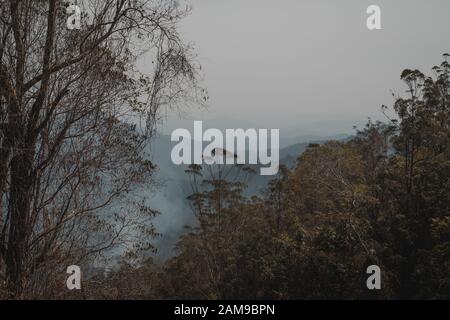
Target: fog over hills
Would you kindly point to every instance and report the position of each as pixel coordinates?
(170, 197)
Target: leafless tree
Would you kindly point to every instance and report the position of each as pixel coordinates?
(75, 116)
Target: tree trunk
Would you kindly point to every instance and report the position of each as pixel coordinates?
(19, 231)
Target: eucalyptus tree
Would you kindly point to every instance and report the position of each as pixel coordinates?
(75, 116)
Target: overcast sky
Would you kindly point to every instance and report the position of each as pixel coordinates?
(308, 66)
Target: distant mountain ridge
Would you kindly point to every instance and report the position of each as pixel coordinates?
(170, 198)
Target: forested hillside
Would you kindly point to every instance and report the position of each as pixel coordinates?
(381, 198)
(84, 87)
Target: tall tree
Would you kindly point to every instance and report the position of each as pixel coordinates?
(74, 118)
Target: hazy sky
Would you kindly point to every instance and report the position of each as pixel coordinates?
(308, 66)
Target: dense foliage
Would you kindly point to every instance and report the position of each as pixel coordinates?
(382, 198)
